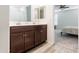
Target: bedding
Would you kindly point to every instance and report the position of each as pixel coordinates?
(70, 30)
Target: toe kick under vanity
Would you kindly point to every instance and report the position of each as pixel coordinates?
(24, 38)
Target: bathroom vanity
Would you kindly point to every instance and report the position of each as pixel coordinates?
(26, 30)
(24, 38)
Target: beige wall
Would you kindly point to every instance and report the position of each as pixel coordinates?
(4, 29)
(78, 31)
(50, 23)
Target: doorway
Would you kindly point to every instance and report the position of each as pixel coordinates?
(66, 28)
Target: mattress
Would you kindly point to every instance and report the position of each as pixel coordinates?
(70, 30)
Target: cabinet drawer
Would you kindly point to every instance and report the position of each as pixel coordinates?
(21, 28)
(38, 27)
(44, 26)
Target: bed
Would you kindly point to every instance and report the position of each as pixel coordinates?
(70, 30)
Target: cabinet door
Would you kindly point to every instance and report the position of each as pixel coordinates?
(43, 35)
(29, 39)
(37, 37)
(17, 42)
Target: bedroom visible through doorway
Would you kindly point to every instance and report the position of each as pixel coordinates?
(66, 28)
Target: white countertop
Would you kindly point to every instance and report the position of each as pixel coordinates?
(24, 24)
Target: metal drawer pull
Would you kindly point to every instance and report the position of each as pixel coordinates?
(41, 31)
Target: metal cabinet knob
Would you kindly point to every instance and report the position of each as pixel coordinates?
(25, 35)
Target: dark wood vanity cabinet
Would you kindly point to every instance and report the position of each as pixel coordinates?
(23, 38)
(40, 34)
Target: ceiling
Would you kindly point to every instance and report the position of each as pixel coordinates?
(70, 6)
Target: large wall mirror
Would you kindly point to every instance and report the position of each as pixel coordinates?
(20, 13)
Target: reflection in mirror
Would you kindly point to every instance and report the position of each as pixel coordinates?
(28, 9)
(36, 13)
(39, 13)
(20, 13)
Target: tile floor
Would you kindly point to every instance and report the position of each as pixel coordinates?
(69, 43)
